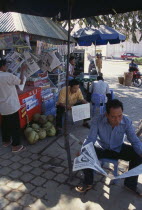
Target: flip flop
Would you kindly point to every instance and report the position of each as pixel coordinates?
(83, 188)
(21, 148)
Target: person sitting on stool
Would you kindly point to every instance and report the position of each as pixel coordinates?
(111, 128)
(75, 97)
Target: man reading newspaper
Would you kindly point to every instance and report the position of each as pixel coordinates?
(110, 128)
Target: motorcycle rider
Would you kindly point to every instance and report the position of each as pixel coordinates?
(133, 66)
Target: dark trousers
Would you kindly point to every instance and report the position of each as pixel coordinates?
(10, 128)
(127, 153)
(59, 115)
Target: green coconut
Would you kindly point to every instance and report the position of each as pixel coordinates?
(27, 130)
(50, 118)
(47, 126)
(32, 137)
(35, 126)
(36, 117)
(51, 131)
(42, 120)
(42, 133)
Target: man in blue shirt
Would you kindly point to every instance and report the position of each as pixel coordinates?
(110, 128)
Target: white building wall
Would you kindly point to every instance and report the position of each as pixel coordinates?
(116, 50)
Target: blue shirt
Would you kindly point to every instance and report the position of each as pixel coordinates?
(113, 138)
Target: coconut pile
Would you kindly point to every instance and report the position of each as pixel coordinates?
(41, 127)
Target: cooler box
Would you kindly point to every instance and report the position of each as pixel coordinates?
(30, 100)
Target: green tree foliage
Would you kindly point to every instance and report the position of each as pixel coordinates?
(127, 23)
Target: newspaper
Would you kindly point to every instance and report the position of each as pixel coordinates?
(81, 112)
(133, 172)
(14, 61)
(32, 65)
(88, 159)
(46, 61)
(49, 61)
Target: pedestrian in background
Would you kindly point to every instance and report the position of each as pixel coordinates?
(99, 63)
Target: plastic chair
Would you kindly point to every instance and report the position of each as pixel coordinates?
(98, 101)
(112, 94)
(115, 163)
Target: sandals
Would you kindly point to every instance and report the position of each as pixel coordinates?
(83, 188)
(136, 190)
(19, 148)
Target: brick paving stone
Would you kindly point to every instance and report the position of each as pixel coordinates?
(15, 174)
(13, 206)
(4, 190)
(48, 174)
(35, 157)
(51, 184)
(2, 151)
(29, 187)
(60, 178)
(16, 158)
(14, 195)
(26, 200)
(5, 162)
(15, 165)
(22, 188)
(5, 171)
(39, 192)
(26, 168)
(66, 171)
(25, 160)
(36, 163)
(3, 202)
(75, 182)
(64, 163)
(45, 159)
(47, 166)
(56, 161)
(38, 181)
(58, 169)
(37, 171)
(4, 180)
(39, 205)
(7, 155)
(27, 177)
(63, 188)
(26, 154)
(51, 153)
(14, 184)
(99, 186)
(38, 149)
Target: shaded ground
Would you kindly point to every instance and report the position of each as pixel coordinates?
(38, 178)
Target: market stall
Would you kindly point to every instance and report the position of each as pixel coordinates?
(45, 74)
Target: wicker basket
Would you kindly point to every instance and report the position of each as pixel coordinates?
(128, 76)
(121, 80)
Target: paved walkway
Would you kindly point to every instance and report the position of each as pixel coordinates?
(38, 178)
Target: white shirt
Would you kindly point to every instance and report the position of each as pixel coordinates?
(71, 69)
(100, 87)
(9, 101)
